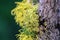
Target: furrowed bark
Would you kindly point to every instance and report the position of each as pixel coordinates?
(48, 11)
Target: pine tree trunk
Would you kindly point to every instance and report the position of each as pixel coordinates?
(48, 13)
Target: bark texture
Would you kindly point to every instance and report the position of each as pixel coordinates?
(49, 11)
(58, 11)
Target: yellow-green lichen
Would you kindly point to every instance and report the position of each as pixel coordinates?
(26, 17)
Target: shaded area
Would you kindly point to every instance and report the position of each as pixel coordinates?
(58, 27)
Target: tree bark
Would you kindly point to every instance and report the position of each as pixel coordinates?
(58, 11)
(49, 10)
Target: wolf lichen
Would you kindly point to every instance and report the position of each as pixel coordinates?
(25, 14)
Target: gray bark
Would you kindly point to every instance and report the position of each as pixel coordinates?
(49, 10)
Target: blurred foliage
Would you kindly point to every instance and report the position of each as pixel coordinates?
(8, 27)
(25, 14)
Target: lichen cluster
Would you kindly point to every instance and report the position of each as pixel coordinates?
(25, 14)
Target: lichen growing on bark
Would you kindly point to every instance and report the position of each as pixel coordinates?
(37, 19)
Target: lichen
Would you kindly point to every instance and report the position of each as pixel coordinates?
(25, 15)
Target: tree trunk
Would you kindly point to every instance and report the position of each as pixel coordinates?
(48, 12)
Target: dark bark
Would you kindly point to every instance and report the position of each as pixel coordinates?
(58, 11)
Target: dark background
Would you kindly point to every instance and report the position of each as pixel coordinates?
(8, 27)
